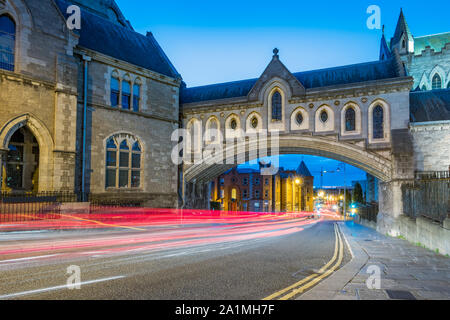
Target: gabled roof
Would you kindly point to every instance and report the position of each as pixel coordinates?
(355, 73)
(303, 170)
(430, 105)
(385, 52)
(436, 42)
(103, 36)
(402, 28)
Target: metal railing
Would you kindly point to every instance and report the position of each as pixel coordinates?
(428, 196)
(369, 212)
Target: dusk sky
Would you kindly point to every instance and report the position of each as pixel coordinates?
(220, 41)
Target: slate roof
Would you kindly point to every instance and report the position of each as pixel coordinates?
(436, 42)
(355, 73)
(430, 105)
(103, 36)
(303, 170)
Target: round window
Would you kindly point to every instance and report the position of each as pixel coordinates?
(299, 118)
(233, 124)
(254, 122)
(324, 116)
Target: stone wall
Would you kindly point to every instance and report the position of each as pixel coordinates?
(431, 145)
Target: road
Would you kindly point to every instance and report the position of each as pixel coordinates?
(251, 258)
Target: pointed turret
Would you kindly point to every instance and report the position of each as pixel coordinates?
(385, 52)
(403, 39)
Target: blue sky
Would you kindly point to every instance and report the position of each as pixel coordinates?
(332, 178)
(218, 41)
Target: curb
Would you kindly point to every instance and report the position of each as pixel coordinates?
(331, 287)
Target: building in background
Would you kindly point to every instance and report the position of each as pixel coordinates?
(119, 149)
(246, 189)
(426, 58)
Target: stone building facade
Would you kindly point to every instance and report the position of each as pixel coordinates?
(113, 142)
(246, 189)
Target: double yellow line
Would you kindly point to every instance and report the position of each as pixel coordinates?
(312, 280)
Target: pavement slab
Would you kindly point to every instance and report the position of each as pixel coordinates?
(406, 271)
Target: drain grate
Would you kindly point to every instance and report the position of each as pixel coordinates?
(400, 295)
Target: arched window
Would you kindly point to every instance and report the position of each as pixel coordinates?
(378, 122)
(276, 106)
(123, 163)
(136, 97)
(115, 91)
(437, 82)
(448, 85)
(126, 95)
(7, 42)
(350, 119)
(424, 88)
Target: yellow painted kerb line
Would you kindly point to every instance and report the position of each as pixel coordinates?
(103, 224)
(311, 280)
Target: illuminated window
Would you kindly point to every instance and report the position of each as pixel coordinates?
(276, 106)
(234, 194)
(350, 120)
(378, 122)
(437, 82)
(123, 163)
(7, 42)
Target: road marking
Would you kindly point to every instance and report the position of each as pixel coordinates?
(27, 259)
(103, 224)
(305, 282)
(25, 293)
(321, 277)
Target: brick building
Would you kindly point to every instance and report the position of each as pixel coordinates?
(246, 189)
(86, 110)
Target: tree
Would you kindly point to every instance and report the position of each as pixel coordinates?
(358, 194)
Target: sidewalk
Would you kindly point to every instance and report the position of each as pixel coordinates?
(408, 272)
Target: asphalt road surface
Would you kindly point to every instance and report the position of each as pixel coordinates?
(277, 258)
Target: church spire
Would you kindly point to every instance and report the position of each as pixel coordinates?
(385, 52)
(402, 33)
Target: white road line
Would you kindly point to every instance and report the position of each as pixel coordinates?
(27, 259)
(25, 293)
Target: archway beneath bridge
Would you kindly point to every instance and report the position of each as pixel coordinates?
(375, 162)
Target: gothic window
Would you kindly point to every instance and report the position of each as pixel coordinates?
(403, 44)
(254, 122)
(22, 161)
(136, 97)
(276, 106)
(299, 118)
(424, 88)
(233, 124)
(123, 163)
(437, 82)
(7, 42)
(115, 92)
(448, 85)
(324, 116)
(378, 122)
(126, 95)
(350, 120)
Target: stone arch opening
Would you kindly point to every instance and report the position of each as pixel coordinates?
(21, 168)
(36, 135)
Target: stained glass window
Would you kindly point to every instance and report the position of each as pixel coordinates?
(350, 120)
(276, 106)
(378, 122)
